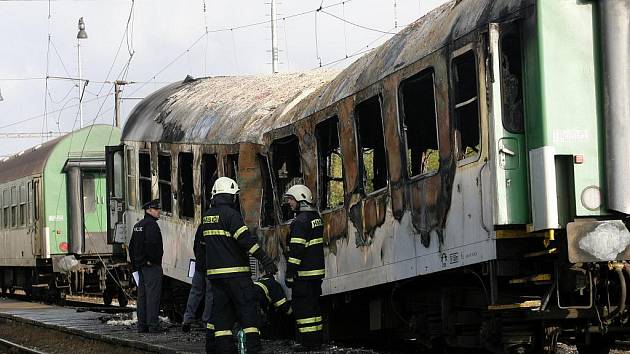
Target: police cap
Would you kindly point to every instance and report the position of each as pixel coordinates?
(154, 204)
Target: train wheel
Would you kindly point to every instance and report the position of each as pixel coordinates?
(122, 298)
(108, 296)
(600, 344)
(549, 339)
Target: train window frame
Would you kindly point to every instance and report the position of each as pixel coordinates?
(22, 204)
(185, 189)
(458, 55)
(418, 76)
(515, 126)
(206, 182)
(144, 181)
(14, 208)
(286, 214)
(359, 147)
(132, 187)
(6, 199)
(88, 190)
(29, 202)
(325, 164)
(165, 183)
(1, 210)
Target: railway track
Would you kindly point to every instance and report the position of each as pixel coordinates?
(80, 303)
(14, 348)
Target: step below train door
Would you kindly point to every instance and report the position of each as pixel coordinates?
(507, 124)
(115, 191)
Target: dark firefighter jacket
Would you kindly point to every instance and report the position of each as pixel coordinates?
(228, 240)
(270, 292)
(199, 248)
(306, 249)
(145, 247)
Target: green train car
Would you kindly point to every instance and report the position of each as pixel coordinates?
(53, 238)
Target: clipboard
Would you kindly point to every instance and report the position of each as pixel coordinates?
(191, 268)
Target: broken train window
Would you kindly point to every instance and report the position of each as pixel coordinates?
(512, 79)
(287, 168)
(186, 199)
(164, 182)
(467, 132)
(266, 206)
(144, 163)
(419, 122)
(371, 144)
(209, 174)
(330, 166)
(230, 164)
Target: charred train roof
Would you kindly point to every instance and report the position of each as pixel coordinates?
(228, 110)
(219, 110)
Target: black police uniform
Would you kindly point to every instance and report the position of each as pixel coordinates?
(145, 252)
(305, 271)
(228, 243)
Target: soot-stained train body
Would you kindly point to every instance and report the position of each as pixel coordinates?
(471, 174)
(53, 237)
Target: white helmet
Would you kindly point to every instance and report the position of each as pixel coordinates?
(225, 185)
(300, 193)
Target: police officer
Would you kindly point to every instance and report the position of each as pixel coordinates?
(305, 267)
(201, 287)
(145, 252)
(228, 243)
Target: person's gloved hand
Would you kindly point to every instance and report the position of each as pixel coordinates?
(269, 266)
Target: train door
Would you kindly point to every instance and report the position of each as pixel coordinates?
(94, 210)
(507, 124)
(115, 191)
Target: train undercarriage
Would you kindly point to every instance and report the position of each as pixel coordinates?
(106, 277)
(484, 308)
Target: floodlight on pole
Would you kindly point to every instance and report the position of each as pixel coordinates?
(80, 35)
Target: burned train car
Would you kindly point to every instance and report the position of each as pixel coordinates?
(461, 169)
(53, 223)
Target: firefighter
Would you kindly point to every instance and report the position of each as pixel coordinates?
(305, 267)
(145, 253)
(228, 244)
(271, 294)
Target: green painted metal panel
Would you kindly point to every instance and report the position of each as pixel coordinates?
(563, 108)
(88, 142)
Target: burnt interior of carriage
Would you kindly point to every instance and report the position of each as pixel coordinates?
(209, 174)
(287, 169)
(330, 164)
(185, 188)
(144, 177)
(419, 124)
(466, 106)
(371, 145)
(164, 182)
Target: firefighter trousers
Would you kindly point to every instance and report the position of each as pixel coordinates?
(307, 311)
(234, 301)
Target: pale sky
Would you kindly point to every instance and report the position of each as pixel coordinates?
(160, 32)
